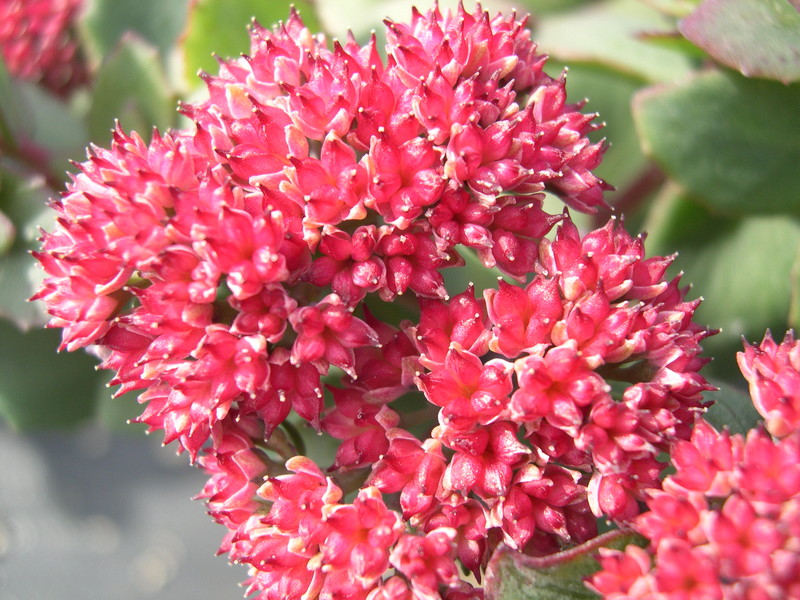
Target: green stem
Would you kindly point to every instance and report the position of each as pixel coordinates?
(646, 182)
(553, 560)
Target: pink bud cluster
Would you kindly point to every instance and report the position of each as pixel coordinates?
(544, 423)
(773, 371)
(221, 266)
(226, 269)
(36, 42)
(726, 524)
(593, 363)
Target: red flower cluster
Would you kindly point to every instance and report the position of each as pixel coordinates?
(544, 423)
(36, 42)
(727, 523)
(225, 269)
(221, 266)
(773, 371)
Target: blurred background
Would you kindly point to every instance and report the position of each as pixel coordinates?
(699, 104)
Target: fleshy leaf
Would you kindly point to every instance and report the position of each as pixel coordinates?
(674, 41)
(742, 267)
(104, 23)
(536, 7)
(472, 273)
(609, 93)
(359, 16)
(53, 129)
(608, 33)
(675, 8)
(116, 412)
(363, 16)
(760, 38)
(38, 131)
(131, 86)
(11, 108)
(7, 233)
(218, 27)
(25, 206)
(731, 142)
(40, 388)
(794, 306)
(512, 575)
(732, 408)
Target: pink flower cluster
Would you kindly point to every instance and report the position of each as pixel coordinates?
(533, 440)
(222, 265)
(726, 524)
(225, 269)
(773, 371)
(36, 42)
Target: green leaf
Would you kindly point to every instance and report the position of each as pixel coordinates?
(512, 575)
(537, 8)
(363, 16)
(673, 40)
(104, 23)
(675, 8)
(52, 127)
(131, 86)
(19, 279)
(7, 233)
(473, 272)
(39, 388)
(38, 131)
(760, 38)
(24, 203)
(732, 408)
(607, 33)
(220, 27)
(11, 109)
(731, 142)
(742, 267)
(794, 280)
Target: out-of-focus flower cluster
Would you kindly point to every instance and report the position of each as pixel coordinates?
(37, 42)
(726, 524)
(226, 269)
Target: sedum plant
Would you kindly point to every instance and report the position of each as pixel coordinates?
(403, 250)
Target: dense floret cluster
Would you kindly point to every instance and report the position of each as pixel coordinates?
(221, 266)
(233, 272)
(726, 524)
(773, 372)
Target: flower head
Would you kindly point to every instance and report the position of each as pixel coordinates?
(594, 362)
(719, 528)
(37, 42)
(773, 371)
(207, 264)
